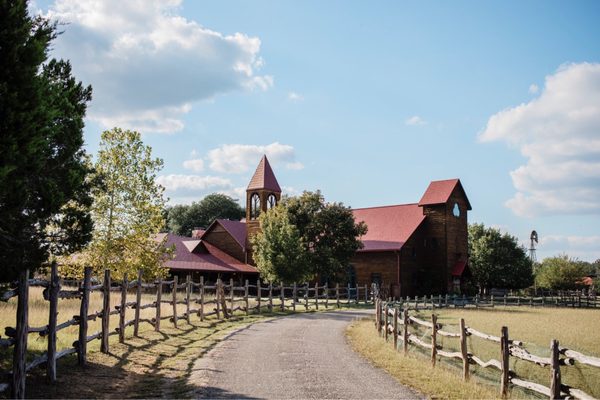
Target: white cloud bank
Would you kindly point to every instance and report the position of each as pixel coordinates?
(415, 120)
(240, 158)
(559, 134)
(147, 64)
(585, 248)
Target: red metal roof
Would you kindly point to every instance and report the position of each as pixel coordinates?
(202, 257)
(389, 227)
(236, 229)
(439, 192)
(263, 177)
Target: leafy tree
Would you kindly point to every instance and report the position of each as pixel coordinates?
(497, 260)
(562, 273)
(44, 191)
(182, 219)
(325, 232)
(127, 210)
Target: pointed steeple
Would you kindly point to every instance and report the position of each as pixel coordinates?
(264, 178)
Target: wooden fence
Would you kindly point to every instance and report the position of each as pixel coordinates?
(201, 300)
(455, 301)
(394, 321)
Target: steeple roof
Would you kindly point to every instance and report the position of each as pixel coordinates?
(264, 178)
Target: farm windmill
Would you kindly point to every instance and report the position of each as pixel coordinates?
(534, 240)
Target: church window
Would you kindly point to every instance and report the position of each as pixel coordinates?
(456, 210)
(254, 206)
(271, 201)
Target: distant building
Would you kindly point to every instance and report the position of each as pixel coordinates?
(409, 249)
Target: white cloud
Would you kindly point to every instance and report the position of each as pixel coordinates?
(559, 134)
(415, 120)
(239, 158)
(176, 182)
(586, 248)
(533, 88)
(293, 96)
(196, 165)
(147, 64)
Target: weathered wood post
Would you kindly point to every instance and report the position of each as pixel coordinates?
(201, 311)
(463, 349)
(246, 297)
(231, 294)
(492, 298)
(446, 301)
(105, 311)
(317, 295)
(386, 319)
(83, 316)
(439, 300)
(555, 380)
(20, 347)
(258, 294)
(270, 297)
(348, 292)
(337, 294)
(188, 296)
(366, 294)
(505, 354)
(122, 309)
(159, 286)
(306, 296)
(434, 329)
(174, 299)
(138, 303)
(53, 290)
(395, 328)
(326, 290)
(218, 298)
(294, 296)
(282, 294)
(377, 316)
(504, 300)
(405, 322)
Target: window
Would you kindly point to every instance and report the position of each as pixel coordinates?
(271, 201)
(456, 210)
(254, 206)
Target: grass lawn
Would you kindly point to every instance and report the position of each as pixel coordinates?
(577, 329)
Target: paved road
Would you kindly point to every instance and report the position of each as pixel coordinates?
(303, 356)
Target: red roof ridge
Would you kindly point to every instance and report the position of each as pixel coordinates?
(391, 205)
(263, 177)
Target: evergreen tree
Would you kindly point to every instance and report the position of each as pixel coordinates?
(44, 191)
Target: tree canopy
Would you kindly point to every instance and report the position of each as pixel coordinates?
(127, 209)
(562, 273)
(182, 219)
(497, 260)
(304, 237)
(44, 190)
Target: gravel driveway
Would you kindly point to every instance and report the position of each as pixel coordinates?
(302, 356)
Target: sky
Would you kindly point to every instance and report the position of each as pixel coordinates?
(366, 101)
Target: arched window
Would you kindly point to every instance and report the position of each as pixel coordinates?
(271, 201)
(254, 206)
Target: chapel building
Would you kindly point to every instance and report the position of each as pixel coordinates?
(409, 249)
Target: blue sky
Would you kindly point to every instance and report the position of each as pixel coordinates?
(366, 101)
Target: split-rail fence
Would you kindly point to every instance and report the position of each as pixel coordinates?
(201, 300)
(393, 322)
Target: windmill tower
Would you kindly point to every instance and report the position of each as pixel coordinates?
(534, 240)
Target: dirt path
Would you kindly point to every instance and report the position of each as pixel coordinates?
(304, 356)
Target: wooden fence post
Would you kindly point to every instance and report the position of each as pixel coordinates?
(282, 295)
(306, 297)
(83, 316)
(348, 292)
(377, 316)
(231, 294)
(505, 354)
(505, 300)
(317, 295)
(201, 311)
(246, 297)
(446, 301)
(366, 294)
(337, 294)
(386, 319)
(463, 349)
(174, 299)
(555, 380)
(326, 290)
(405, 329)
(105, 311)
(294, 296)
(20, 347)
(52, 316)
(258, 294)
(270, 297)
(218, 298)
(122, 309)
(159, 286)
(434, 330)
(492, 298)
(188, 296)
(138, 303)
(395, 328)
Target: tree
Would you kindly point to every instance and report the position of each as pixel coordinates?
(562, 273)
(497, 260)
(44, 190)
(127, 210)
(182, 219)
(326, 233)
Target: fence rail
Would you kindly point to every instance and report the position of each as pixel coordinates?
(225, 299)
(394, 320)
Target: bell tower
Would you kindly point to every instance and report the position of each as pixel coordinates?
(262, 194)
